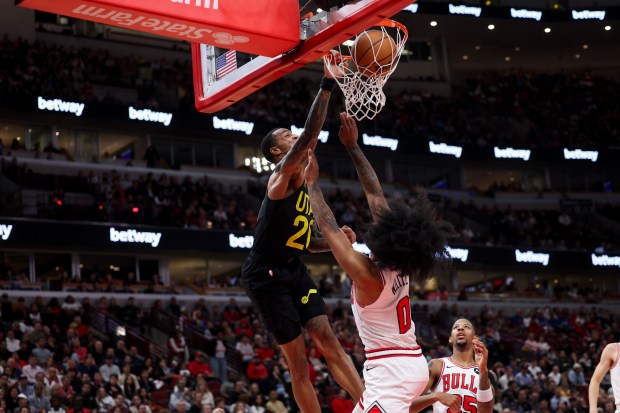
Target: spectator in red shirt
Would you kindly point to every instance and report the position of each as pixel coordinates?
(265, 351)
(342, 404)
(80, 329)
(200, 365)
(244, 328)
(256, 370)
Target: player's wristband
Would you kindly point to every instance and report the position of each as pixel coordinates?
(328, 84)
(485, 395)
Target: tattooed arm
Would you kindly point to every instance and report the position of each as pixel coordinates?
(359, 267)
(367, 176)
(318, 243)
(292, 163)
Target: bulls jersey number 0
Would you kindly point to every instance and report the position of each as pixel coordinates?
(462, 381)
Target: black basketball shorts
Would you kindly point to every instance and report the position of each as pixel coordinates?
(285, 296)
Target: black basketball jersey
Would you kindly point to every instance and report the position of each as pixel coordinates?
(284, 226)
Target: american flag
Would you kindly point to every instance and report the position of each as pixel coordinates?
(225, 63)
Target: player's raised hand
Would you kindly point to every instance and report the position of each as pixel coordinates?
(311, 174)
(348, 130)
(451, 401)
(349, 233)
(330, 64)
(481, 353)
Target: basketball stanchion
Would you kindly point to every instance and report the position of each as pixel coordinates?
(366, 65)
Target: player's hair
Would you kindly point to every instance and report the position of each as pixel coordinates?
(466, 319)
(410, 239)
(268, 142)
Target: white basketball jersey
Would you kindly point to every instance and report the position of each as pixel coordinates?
(385, 326)
(459, 380)
(614, 373)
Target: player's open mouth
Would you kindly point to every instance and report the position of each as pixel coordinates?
(460, 335)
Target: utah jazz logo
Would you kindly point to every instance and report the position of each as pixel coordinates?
(305, 298)
(305, 210)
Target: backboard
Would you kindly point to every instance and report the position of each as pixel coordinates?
(318, 34)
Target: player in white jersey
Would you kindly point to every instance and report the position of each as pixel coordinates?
(461, 382)
(610, 362)
(404, 242)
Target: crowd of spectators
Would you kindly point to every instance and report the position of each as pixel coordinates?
(200, 204)
(516, 107)
(53, 360)
(71, 73)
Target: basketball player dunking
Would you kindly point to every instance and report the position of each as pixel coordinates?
(463, 377)
(610, 362)
(276, 279)
(404, 241)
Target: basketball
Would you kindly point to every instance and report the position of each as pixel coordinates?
(373, 52)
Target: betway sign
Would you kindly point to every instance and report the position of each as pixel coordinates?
(222, 23)
(588, 14)
(525, 14)
(59, 105)
(245, 241)
(234, 125)
(444, 149)
(148, 115)
(323, 135)
(380, 141)
(579, 154)
(412, 8)
(5, 231)
(462, 9)
(511, 153)
(131, 236)
(605, 261)
(458, 253)
(532, 257)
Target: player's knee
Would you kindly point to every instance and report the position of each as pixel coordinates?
(299, 370)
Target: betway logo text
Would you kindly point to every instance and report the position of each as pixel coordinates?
(472, 11)
(132, 236)
(117, 18)
(5, 231)
(444, 149)
(579, 154)
(234, 125)
(58, 105)
(240, 242)
(605, 261)
(532, 257)
(323, 135)
(360, 247)
(458, 253)
(588, 15)
(148, 115)
(380, 141)
(511, 153)
(526, 14)
(206, 4)
(412, 8)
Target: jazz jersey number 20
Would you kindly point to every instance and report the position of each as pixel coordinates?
(303, 220)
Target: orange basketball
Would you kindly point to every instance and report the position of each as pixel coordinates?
(373, 52)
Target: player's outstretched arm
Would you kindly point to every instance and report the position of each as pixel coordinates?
(308, 139)
(368, 178)
(422, 402)
(359, 267)
(608, 358)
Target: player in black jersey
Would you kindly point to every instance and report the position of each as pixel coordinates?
(276, 279)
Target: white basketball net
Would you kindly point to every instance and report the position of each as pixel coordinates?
(363, 92)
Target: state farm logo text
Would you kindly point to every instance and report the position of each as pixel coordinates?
(158, 26)
(207, 4)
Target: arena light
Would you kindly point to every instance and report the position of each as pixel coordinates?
(433, 23)
(547, 30)
(491, 27)
(608, 28)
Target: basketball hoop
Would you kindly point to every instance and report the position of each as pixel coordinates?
(362, 85)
